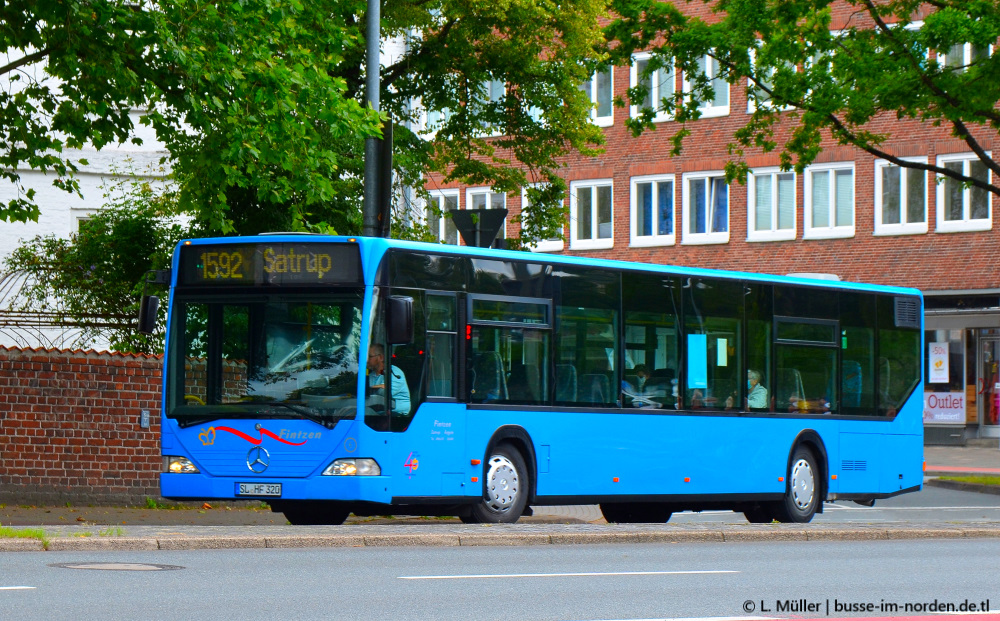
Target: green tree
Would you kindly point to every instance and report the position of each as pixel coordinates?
(260, 102)
(895, 60)
(93, 280)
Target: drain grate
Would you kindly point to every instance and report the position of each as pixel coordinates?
(118, 566)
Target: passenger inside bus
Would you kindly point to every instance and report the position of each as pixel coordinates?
(756, 393)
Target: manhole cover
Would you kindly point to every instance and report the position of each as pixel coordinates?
(118, 566)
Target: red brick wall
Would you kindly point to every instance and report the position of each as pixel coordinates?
(69, 426)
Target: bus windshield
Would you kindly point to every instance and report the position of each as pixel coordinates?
(280, 356)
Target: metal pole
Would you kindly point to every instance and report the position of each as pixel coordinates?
(369, 212)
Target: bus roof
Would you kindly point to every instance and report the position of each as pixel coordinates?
(374, 247)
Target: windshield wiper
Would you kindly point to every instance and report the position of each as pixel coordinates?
(303, 411)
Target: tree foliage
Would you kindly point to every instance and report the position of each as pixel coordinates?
(819, 68)
(94, 278)
(260, 102)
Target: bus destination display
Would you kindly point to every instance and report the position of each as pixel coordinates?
(251, 265)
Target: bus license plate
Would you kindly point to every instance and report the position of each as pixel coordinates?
(258, 489)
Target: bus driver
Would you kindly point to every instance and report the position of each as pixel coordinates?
(400, 404)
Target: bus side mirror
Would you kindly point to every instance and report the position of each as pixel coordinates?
(147, 313)
(399, 317)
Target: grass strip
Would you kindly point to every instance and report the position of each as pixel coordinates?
(6, 532)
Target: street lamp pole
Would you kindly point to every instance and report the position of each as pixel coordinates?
(369, 211)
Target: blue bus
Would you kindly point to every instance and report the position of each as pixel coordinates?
(329, 375)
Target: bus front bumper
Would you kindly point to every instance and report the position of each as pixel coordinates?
(340, 488)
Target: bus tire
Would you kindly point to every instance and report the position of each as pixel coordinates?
(314, 513)
(506, 488)
(636, 512)
(802, 493)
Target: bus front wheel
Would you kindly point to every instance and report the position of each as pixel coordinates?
(314, 513)
(506, 489)
(802, 496)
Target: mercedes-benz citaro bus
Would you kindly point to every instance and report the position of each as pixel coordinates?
(330, 375)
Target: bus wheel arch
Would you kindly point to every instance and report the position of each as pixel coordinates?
(806, 479)
(508, 454)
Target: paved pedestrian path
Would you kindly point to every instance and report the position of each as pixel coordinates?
(151, 538)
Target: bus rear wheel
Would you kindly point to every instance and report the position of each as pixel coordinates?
(802, 495)
(506, 489)
(314, 513)
(636, 512)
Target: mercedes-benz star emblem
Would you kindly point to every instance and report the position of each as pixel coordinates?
(258, 459)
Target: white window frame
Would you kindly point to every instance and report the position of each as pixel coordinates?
(710, 110)
(812, 230)
(543, 245)
(710, 237)
(439, 196)
(751, 87)
(966, 224)
(593, 243)
(655, 96)
(488, 191)
(903, 228)
(656, 239)
(609, 119)
(774, 233)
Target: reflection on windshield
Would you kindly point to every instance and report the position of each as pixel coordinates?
(238, 358)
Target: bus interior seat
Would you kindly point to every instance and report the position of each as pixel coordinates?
(522, 385)
(488, 382)
(595, 388)
(790, 390)
(565, 383)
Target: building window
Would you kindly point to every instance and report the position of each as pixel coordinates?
(705, 208)
(770, 205)
(552, 244)
(591, 222)
(659, 85)
(441, 224)
(829, 204)
(719, 105)
(485, 198)
(488, 104)
(757, 96)
(900, 199)
(960, 57)
(962, 208)
(652, 211)
(601, 92)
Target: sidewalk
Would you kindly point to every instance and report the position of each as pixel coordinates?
(959, 460)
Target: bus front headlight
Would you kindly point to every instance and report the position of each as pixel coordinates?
(179, 465)
(360, 467)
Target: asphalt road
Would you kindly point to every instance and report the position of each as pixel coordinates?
(584, 582)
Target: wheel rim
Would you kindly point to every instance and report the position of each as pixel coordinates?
(502, 484)
(803, 484)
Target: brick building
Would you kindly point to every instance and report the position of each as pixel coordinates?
(848, 214)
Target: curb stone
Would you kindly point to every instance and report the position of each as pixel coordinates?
(509, 536)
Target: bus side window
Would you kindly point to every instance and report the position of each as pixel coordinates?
(442, 336)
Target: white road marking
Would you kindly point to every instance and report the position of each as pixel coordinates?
(15, 588)
(569, 574)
